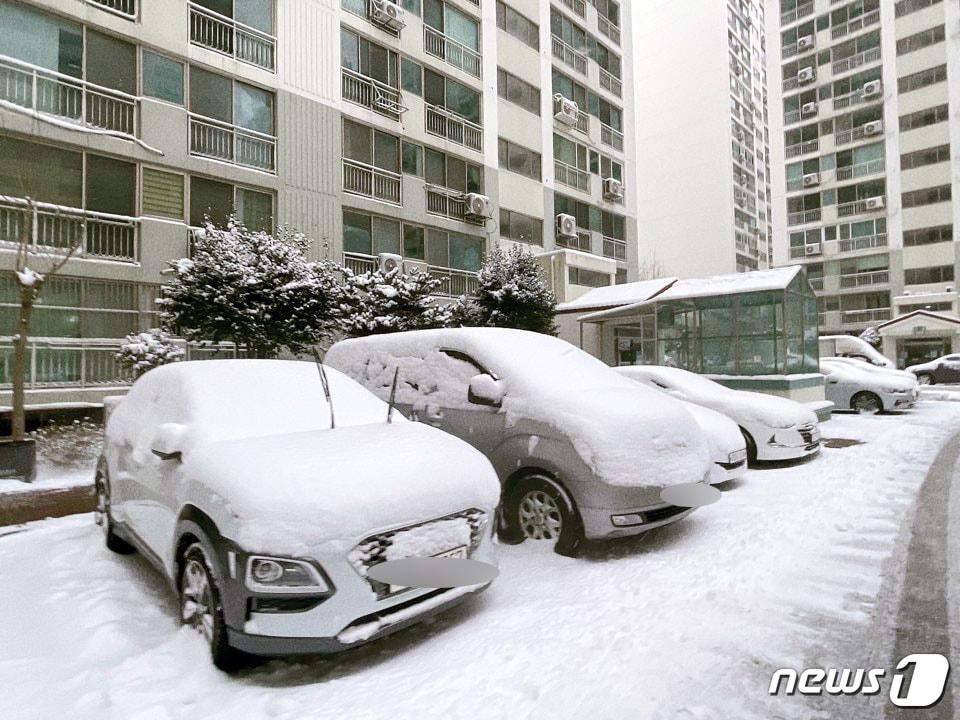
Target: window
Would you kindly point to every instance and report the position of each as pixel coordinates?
(905, 7)
(443, 92)
(928, 236)
(369, 146)
(571, 33)
(928, 275)
(929, 307)
(412, 157)
(369, 59)
(920, 40)
(162, 78)
(40, 39)
(519, 159)
(258, 14)
(449, 171)
(927, 196)
(517, 91)
(573, 90)
(210, 199)
(928, 156)
(453, 23)
(461, 252)
(571, 153)
(412, 6)
(111, 62)
(923, 118)
(587, 278)
(111, 186)
(520, 228)
(236, 103)
(414, 242)
(162, 194)
(357, 236)
(411, 77)
(255, 209)
(513, 23)
(44, 172)
(922, 79)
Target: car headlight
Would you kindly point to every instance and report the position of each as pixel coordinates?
(283, 575)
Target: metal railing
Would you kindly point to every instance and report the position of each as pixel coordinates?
(370, 93)
(124, 8)
(879, 277)
(804, 216)
(843, 137)
(611, 137)
(66, 363)
(802, 148)
(862, 243)
(54, 227)
(854, 25)
(797, 13)
(583, 122)
(69, 98)
(855, 61)
(442, 122)
(446, 202)
(609, 29)
(614, 248)
(568, 55)
(857, 207)
(373, 182)
(452, 52)
(578, 6)
(571, 177)
(865, 316)
(226, 35)
(583, 241)
(860, 169)
(222, 141)
(609, 82)
(853, 98)
(359, 264)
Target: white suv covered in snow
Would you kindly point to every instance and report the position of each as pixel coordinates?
(228, 476)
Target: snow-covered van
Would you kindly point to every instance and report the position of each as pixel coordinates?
(852, 347)
(265, 506)
(580, 451)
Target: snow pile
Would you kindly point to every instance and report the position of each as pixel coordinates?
(430, 539)
(616, 295)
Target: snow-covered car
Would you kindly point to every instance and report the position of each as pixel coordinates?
(853, 347)
(728, 447)
(580, 451)
(856, 388)
(774, 428)
(941, 370)
(265, 507)
(859, 364)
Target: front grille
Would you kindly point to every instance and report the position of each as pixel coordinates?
(806, 432)
(664, 513)
(373, 550)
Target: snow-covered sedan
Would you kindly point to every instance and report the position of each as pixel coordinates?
(728, 447)
(849, 386)
(774, 428)
(941, 370)
(265, 506)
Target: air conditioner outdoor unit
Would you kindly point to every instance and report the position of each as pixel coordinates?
(612, 189)
(814, 249)
(809, 108)
(565, 110)
(811, 179)
(413, 266)
(388, 262)
(387, 13)
(477, 206)
(566, 226)
(873, 128)
(875, 203)
(806, 75)
(872, 88)
(805, 42)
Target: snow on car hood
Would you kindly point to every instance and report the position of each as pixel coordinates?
(292, 492)
(745, 407)
(723, 434)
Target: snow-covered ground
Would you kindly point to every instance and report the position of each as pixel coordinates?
(686, 622)
(50, 477)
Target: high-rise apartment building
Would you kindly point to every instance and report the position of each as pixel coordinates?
(422, 132)
(701, 78)
(866, 168)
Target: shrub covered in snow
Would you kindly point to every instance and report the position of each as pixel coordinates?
(513, 293)
(872, 336)
(144, 351)
(251, 288)
(375, 302)
(75, 445)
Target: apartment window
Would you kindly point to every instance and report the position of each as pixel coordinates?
(412, 158)
(604, 57)
(922, 79)
(929, 156)
(162, 194)
(929, 307)
(927, 196)
(453, 23)
(513, 23)
(411, 77)
(217, 201)
(905, 7)
(519, 159)
(590, 217)
(517, 91)
(43, 172)
(162, 78)
(608, 167)
(571, 153)
(621, 276)
(451, 95)
(928, 275)
(111, 63)
(230, 101)
(521, 228)
(587, 278)
(366, 145)
(928, 235)
(412, 6)
(920, 40)
(923, 118)
(610, 115)
(449, 171)
(40, 39)
(367, 58)
(111, 186)
(571, 33)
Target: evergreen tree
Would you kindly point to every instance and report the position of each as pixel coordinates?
(872, 336)
(375, 302)
(144, 351)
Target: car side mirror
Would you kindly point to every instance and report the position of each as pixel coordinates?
(168, 441)
(485, 390)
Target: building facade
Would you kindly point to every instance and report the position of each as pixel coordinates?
(703, 185)
(865, 121)
(426, 131)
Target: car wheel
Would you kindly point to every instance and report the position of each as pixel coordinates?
(201, 609)
(751, 448)
(866, 403)
(103, 517)
(537, 510)
(925, 379)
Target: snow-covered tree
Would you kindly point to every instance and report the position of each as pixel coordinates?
(144, 351)
(872, 336)
(375, 302)
(251, 288)
(513, 293)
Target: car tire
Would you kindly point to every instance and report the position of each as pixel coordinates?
(201, 608)
(866, 403)
(103, 516)
(536, 509)
(925, 379)
(751, 448)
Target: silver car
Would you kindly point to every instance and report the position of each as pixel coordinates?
(867, 390)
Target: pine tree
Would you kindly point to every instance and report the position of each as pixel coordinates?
(144, 351)
(251, 288)
(375, 302)
(512, 293)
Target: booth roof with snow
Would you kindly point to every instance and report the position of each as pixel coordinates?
(753, 331)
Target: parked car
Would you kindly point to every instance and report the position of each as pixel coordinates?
(901, 375)
(265, 515)
(774, 428)
(860, 389)
(728, 447)
(941, 370)
(853, 347)
(580, 451)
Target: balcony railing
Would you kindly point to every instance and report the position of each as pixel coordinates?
(860, 169)
(611, 137)
(856, 24)
(608, 28)
(456, 282)
(857, 207)
(370, 93)
(452, 52)
(583, 241)
(372, 182)
(854, 280)
(843, 137)
(569, 56)
(571, 177)
(446, 202)
(855, 317)
(611, 83)
(230, 37)
(855, 61)
(359, 264)
(74, 100)
(816, 283)
(854, 98)
(797, 13)
(124, 8)
(583, 122)
(578, 6)
(802, 148)
(442, 122)
(65, 363)
(222, 141)
(613, 248)
(863, 243)
(95, 235)
(804, 216)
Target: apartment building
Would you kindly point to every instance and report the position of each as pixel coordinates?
(703, 183)
(422, 132)
(866, 161)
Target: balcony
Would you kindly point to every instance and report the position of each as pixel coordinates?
(852, 26)
(866, 242)
(611, 137)
(456, 282)
(855, 98)
(68, 98)
(804, 216)
(66, 363)
(229, 37)
(802, 148)
(792, 16)
(450, 51)
(857, 207)
(372, 182)
(372, 94)
(610, 83)
(609, 29)
(359, 264)
(614, 248)
(571, 177)
(579, 7)
(222, 141)
(569, 56)
(583, 241)
(860, 170)
(450, 204)
(816, 283)
(857, 317)
(856, 280)
(98, 236)
(445, 124)
(845, 137)
(123, 8)
(855, 61)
